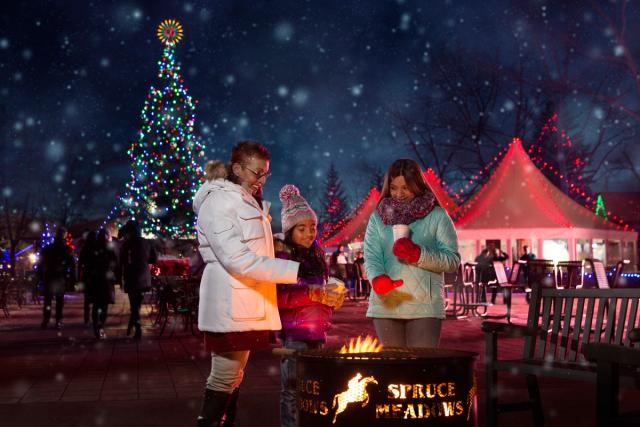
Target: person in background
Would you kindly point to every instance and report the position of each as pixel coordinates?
(526, 256)
(196, 263)
(339, 263)
(407, 303)
(134, 273)
(238, 309)
(278, 245)
(101, 274)
(495, 254)
(483, 270)
(361, 273)
(305, 314)
(57, 272)
(83, 265)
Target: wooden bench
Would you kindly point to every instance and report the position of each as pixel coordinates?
(507, 285)
(559, 322)
(610, 361)
(600, 274)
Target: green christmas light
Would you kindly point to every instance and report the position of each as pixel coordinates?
(600, 209)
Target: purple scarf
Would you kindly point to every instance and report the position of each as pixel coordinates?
(394, 212)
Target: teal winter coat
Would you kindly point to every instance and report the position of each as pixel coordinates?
(422, 294)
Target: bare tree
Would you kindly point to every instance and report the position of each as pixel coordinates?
(16, 225)
(470, 110)
(472, 106)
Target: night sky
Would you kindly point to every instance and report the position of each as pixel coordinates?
(313, 80)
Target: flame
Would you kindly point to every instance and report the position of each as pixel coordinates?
(359, 345)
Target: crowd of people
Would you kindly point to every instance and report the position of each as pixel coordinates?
(256, 287)
(101, 266)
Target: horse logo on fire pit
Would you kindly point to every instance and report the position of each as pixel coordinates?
(356, 392)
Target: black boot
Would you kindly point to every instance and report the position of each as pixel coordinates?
(138, 334)
(213, 408)
(129, 327)
(232, 408)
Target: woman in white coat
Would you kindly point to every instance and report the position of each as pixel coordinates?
(238, 302)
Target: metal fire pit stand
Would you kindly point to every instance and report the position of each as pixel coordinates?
(395, 387)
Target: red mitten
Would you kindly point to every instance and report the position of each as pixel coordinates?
(406, 250)
(383, 284)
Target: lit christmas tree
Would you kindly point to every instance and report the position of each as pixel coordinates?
(334, 206)
(164, 167)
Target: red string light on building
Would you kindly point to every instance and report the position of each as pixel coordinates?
(578, 189)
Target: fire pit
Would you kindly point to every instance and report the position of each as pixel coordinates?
(393, 387)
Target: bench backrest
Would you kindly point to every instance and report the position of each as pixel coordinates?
(541, 271)
(501, 274)
(615, 280)
(567, 318)
(569, 274)
(600, 274)
(515, 272)
(470, 272)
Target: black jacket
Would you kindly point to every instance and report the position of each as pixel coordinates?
(100, 270)
(136, 254)
(57, 268)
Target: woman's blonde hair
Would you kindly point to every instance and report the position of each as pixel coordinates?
(215, 169)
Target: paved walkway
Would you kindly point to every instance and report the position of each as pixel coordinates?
(67, 378)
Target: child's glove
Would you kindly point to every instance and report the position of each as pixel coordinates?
(332, 294)
(406, 250)
(383, 284)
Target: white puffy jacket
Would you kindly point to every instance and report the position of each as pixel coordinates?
(237, 291)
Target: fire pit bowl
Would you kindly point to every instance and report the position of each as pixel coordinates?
(394, 387)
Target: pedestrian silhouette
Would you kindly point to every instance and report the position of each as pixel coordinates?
(57, 272)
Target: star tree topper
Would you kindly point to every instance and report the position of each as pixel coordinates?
(170, 32)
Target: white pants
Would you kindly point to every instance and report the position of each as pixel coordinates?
(227, 370)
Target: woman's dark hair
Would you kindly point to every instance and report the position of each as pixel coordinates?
(412, 174)
(312, 256)
(241, 152)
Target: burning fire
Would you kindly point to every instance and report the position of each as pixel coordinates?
(359, 345)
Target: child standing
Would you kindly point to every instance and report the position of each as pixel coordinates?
(306, 307)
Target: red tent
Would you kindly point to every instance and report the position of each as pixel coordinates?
(520, 203)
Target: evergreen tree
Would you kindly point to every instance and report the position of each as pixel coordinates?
(334, 206)
(164, 170)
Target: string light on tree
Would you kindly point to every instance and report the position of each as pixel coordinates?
(572, 177)
(334, 206)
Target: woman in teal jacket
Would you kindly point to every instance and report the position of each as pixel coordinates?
(408, 302)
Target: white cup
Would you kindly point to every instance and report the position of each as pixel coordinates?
(400, 231)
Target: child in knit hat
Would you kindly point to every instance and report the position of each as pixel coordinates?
(306, 307)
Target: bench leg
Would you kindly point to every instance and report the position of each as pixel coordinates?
(607, 394)
(506, 293)
(491, 402)
(536, 402)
